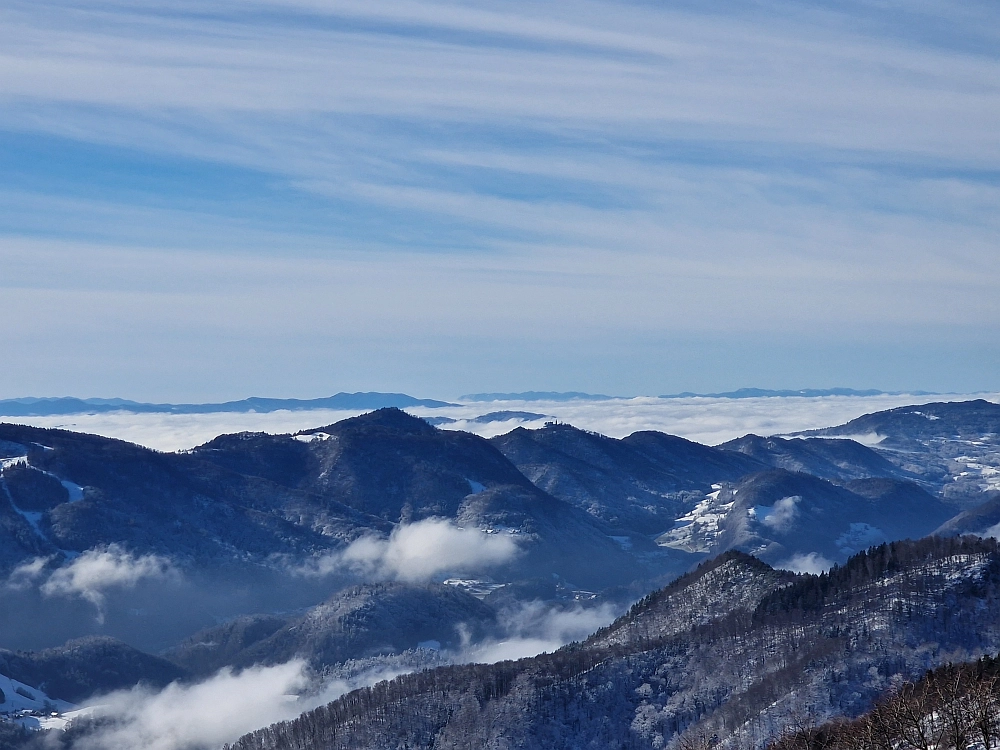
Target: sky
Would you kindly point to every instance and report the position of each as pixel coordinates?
(290, 198)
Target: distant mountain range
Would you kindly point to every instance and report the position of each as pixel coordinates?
(537, 396)
(803, 393)
(66, 405)
(44, 407)
(740, 393)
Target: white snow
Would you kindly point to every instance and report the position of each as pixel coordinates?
(697, 530)
(312, 436)
(31, 707)
(476, 486)
(475, 586)
(985, 467)
(13, 461)
(75, 491)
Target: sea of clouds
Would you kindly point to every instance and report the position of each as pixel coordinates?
(705, 420)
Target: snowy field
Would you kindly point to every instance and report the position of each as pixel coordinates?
(706, 420)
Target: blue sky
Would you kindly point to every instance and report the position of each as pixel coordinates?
(204, 200)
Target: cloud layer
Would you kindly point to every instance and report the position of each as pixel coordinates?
(706, 420)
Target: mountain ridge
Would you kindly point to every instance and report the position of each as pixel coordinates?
(365, 401)
(834, 641)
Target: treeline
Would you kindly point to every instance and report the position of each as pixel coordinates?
(951, 708)
(812, 592)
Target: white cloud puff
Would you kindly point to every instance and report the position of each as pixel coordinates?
(418, 552)
(783, 514)
(26, 574)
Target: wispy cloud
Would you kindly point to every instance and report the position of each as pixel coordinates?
(97, 571)
(536, 627)
(465, 170)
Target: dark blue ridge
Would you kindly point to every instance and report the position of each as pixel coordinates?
(43, 407)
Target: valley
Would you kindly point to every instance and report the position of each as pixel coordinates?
(381, 546)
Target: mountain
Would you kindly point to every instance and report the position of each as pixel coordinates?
(398, 468)
(835, 459)
(170, 504)
(506, 416)
(358, 622)
(727, 583)
(231, 527)
(981, 520)
(41, 407)
(783, 517)
(827, 644)
(86, 667)
(953, 447)
(638, 485)
(702, 500)
(909, 426)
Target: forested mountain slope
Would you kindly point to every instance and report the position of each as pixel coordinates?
(639, 484)
(360, 621)
(954, 447)
(830, 643)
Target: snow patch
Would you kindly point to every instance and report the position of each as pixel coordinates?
(697, 531)
(6, 463)
(75, 491)
(312, 436)
(31, 708)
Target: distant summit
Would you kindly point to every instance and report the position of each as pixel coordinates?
(804, 393)
(44, 407)
(537, 396)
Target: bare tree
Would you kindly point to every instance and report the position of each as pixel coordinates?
(983, 703)
(949, 689)
(911, 718)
